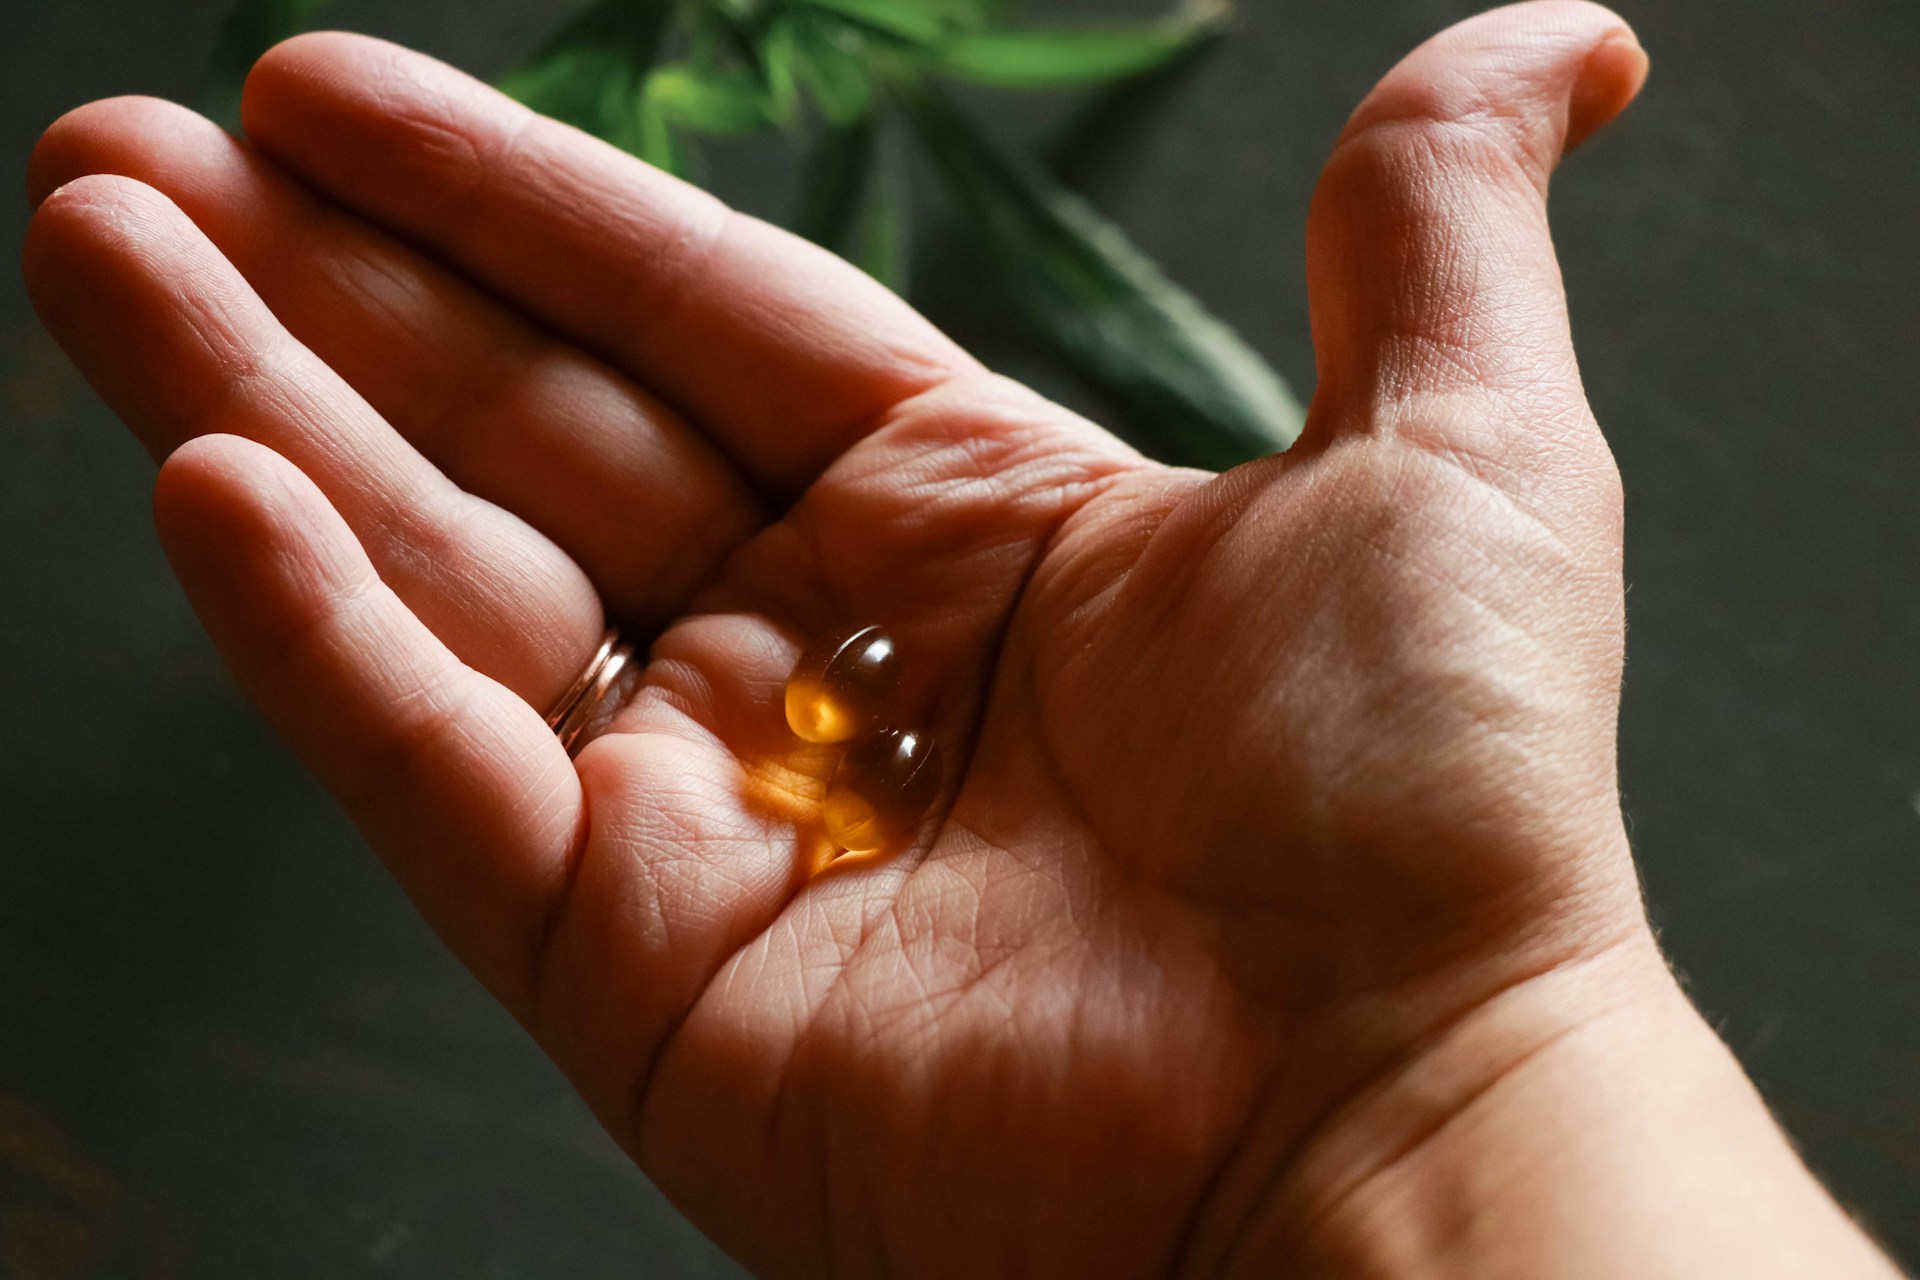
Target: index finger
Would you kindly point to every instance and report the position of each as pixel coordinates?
(781, 352)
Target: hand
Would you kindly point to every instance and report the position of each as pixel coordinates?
(1280, 822)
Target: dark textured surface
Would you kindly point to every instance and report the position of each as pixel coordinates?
(227, 1048)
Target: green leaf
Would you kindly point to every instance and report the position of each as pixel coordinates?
(725, 101)
(915, 23)
(745, 13)
(778, 55)
(252, 27)
(656, 142)
(1065, 57)
(1196, 392)
(854, 199)
(829, 61)
(964, 13)
(885, 249)
(757, 37)
(592, 72)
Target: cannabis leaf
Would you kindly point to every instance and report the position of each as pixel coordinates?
(851, 83)
(1195, 393)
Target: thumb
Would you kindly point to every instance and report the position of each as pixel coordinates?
(1438, 312)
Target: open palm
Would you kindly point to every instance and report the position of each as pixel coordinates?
(1260, 788)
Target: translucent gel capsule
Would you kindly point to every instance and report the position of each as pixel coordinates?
(843, 686)
(885, 784)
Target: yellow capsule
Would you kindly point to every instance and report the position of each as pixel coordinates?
(844, 686)
(885, 784)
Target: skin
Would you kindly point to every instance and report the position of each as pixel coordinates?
(1276, 914)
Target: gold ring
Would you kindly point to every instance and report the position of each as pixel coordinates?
(585, 704)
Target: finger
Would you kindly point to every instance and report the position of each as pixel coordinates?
(180, 347)
(685, 295)
(1432, 273)
(640, 500)
(454, 779)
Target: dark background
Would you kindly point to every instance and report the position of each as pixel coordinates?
(228, 1048)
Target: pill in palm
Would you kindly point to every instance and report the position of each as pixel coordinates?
(883, 788)
(844, 686)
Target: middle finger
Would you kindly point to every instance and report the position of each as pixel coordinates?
(638, 498)
(179, 345)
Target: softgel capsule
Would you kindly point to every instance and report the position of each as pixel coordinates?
(846, 689)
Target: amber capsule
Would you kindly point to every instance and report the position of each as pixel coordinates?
(843, 686)
(885, 784)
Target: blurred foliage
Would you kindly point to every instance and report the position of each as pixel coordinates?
(857, 83)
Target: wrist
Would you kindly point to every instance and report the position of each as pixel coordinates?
(1587, 1122)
